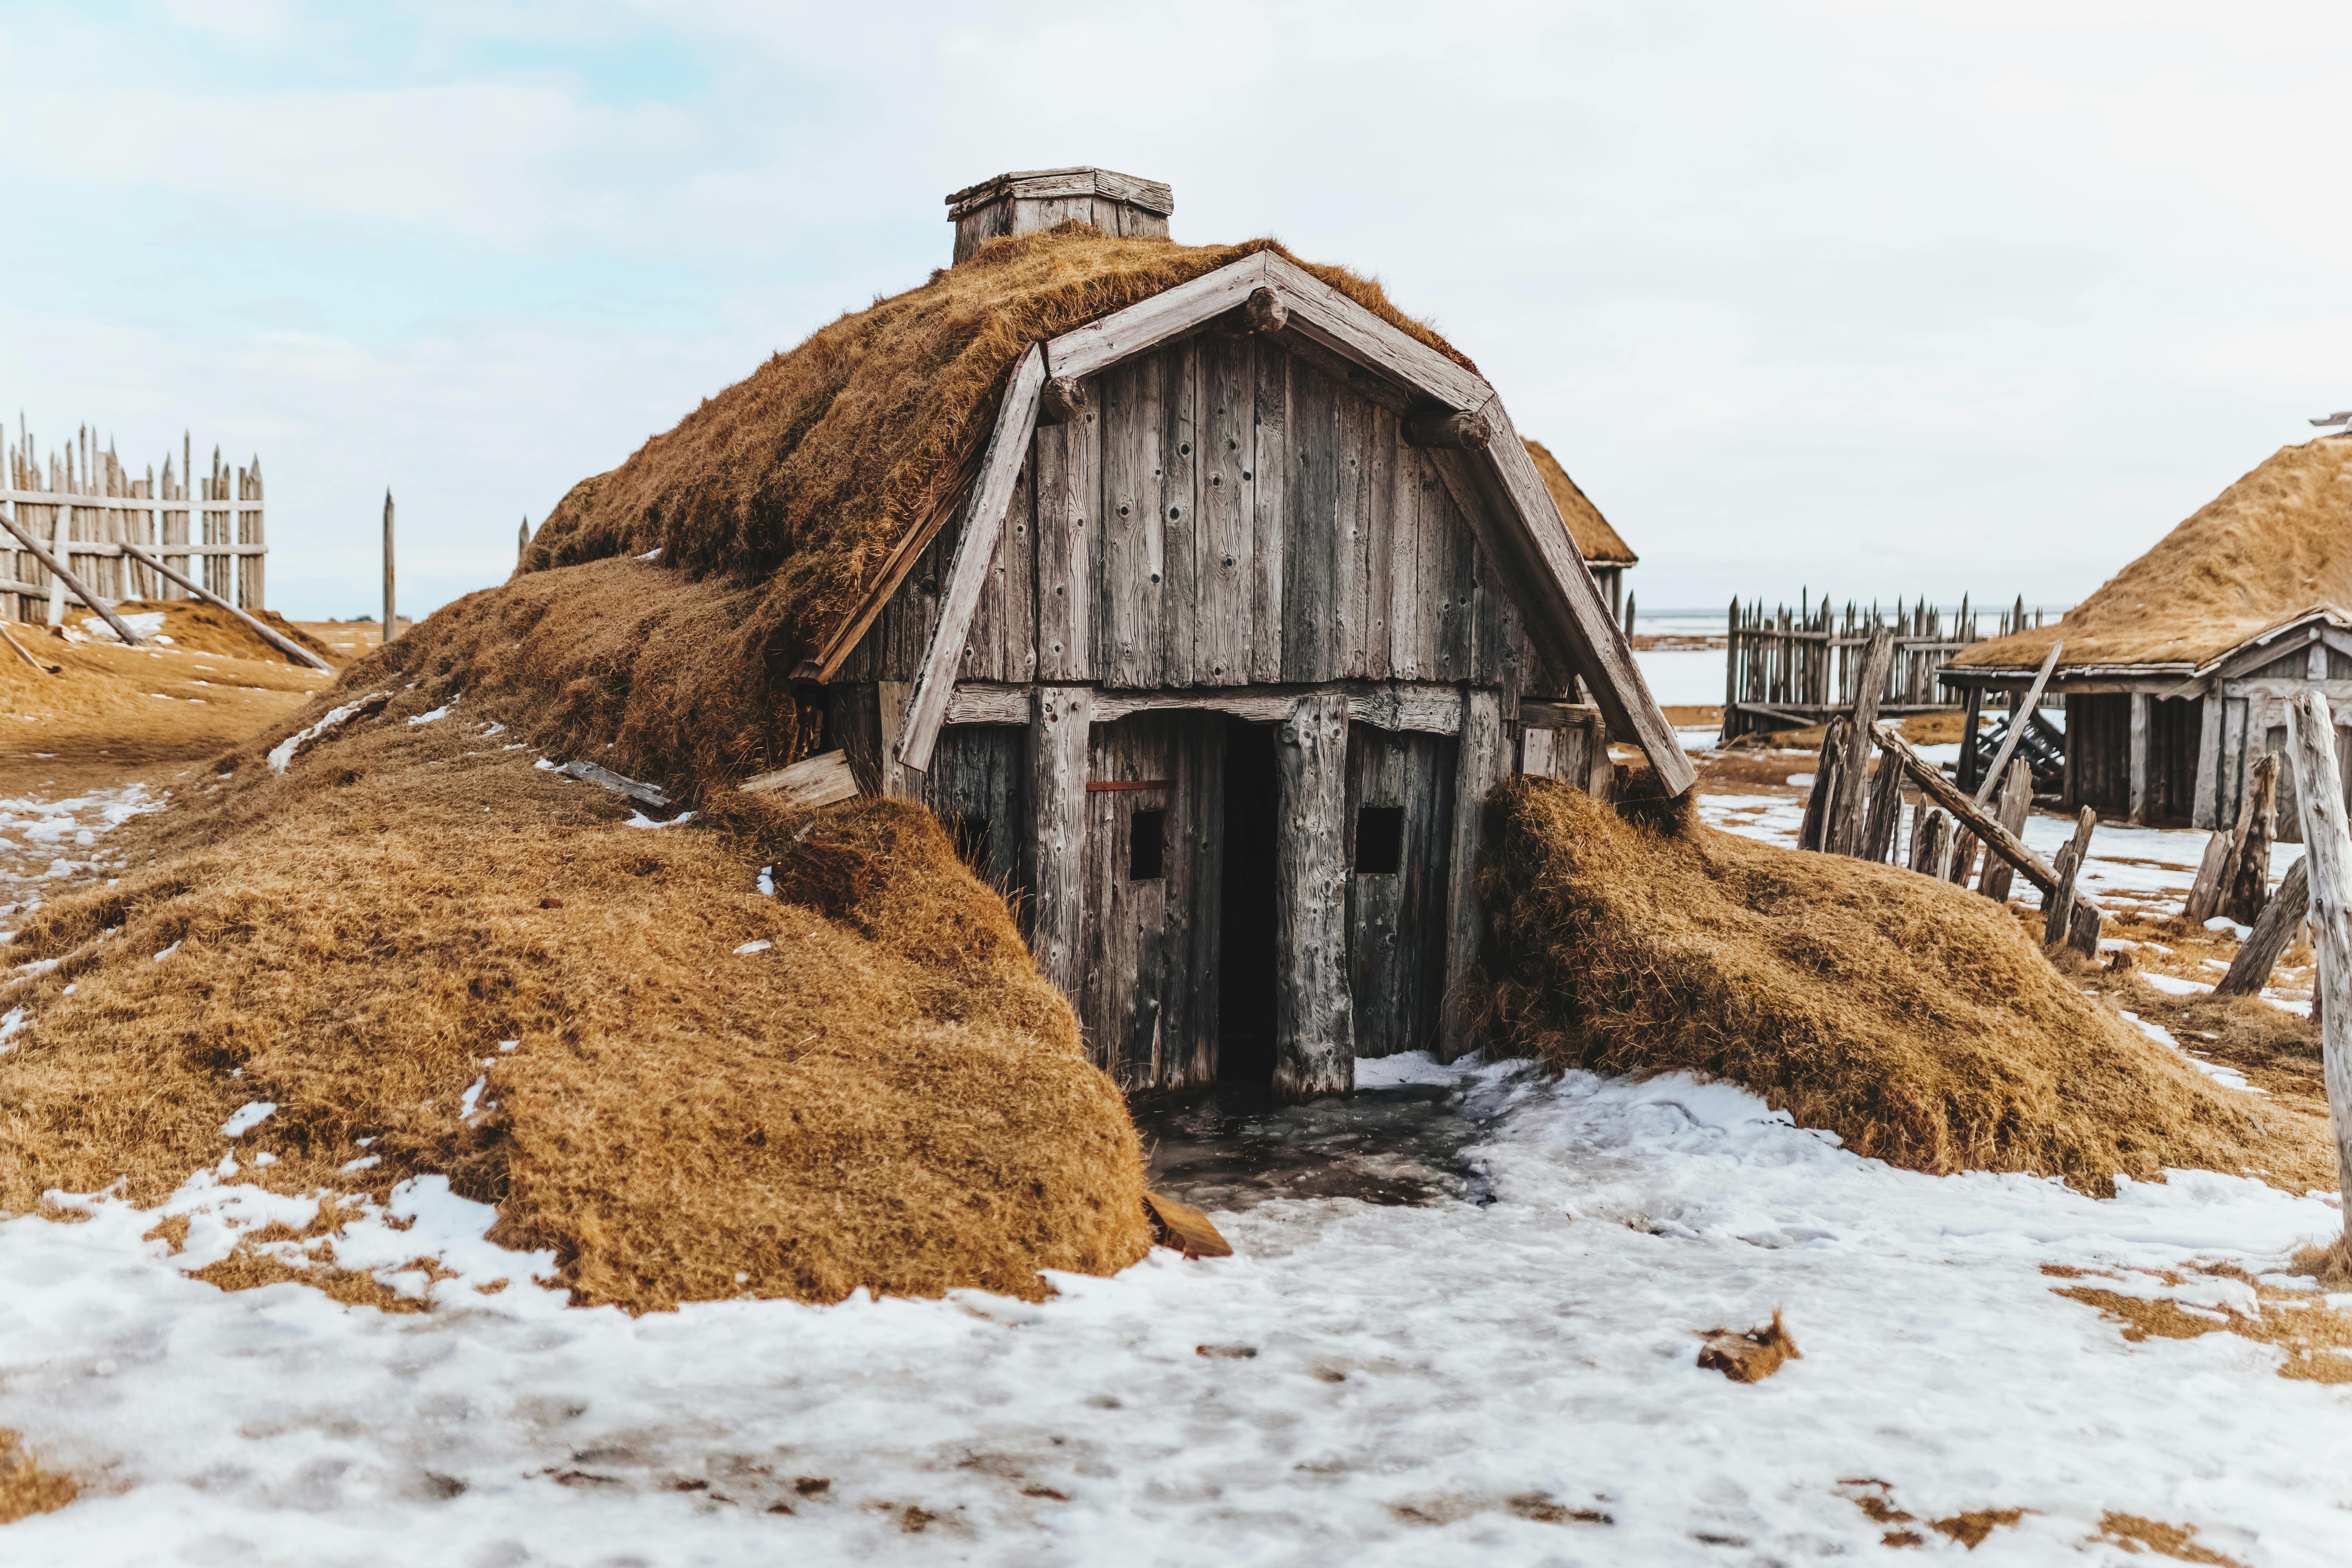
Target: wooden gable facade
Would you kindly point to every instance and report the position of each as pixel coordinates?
(1245, 612)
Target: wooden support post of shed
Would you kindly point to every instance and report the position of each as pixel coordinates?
(1314, 1038)
(2140, 704)
(1971, 705)
(1059, 727)
(2206, 813)
(1477, 764)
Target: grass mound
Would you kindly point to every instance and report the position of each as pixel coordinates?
(885, 1095)
(130, 705)
(193, 627)
(1910, 1017)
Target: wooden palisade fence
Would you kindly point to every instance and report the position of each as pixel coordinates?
(94, 517)
(1790, 669)
(1855, 810)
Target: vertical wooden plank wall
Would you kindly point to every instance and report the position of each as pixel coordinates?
(1396, 923)
(1221, 515)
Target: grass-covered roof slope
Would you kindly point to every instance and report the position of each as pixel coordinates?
(1596, 541)
(804, 476)
(2272, 548)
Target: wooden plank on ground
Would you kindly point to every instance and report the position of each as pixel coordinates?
(813, 781)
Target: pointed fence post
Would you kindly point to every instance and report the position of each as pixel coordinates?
(2328, 855)
(391, 627)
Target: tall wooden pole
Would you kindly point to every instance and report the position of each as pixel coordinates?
(391, 627)
(2328, 861)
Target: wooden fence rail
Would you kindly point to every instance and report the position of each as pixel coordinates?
(86, 506)
(1788, 669)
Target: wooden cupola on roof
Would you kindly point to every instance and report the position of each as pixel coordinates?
(1039, 199)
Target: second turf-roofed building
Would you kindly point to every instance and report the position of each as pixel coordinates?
(1204, 593)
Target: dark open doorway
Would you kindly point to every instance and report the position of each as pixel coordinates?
(1247, 953)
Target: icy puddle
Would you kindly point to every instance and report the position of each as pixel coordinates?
(1390, 1142)
(1367, 1381)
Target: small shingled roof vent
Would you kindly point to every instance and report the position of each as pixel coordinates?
(1038, 199)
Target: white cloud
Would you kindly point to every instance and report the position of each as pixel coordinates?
(246, 21)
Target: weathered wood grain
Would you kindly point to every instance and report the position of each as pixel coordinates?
(2273, 933)
(1853, 819)
(1060, 724)
(1346, 328)
(2311, 737)
(1479, 758)
(812, 782)
(2016, 805)
(1223, 629)
(1313, 1036)
(1270, 514)
(2059, 902)
(1178, 508)
(1125, 334)
(982, 528)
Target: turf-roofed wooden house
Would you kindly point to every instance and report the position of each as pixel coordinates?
(2176, 673)
(1207, 630)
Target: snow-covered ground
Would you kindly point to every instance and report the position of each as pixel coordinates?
(1509, 1382)
(48, 845)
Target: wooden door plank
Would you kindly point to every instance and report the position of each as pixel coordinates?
(1478, 763)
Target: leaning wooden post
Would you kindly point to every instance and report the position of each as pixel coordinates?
(2020, 716)
(2249, 970)
(1314, 1025)
(2058, 907)
(1819, 829)
(1886, 805)
(1852, 817)
(1061, 720)
(2016, 802)
(1477, 766)
(2327, 852)
(1936, 845)
(58, 574)
(390, 625)
(284, 645)
(2246, 878)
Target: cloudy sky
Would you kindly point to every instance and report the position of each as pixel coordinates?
(1873, 299)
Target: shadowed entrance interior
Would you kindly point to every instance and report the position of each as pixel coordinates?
(1245, 1031)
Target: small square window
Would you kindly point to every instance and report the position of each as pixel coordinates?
(1147, 845)
(1380, 840)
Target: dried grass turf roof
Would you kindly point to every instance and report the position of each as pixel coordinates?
(1911, 1017)
(804, 477)
(2270, 548)
(1596, 541)
(888, 1096)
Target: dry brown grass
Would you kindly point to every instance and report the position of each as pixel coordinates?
(1596, 541)
(126, 706)
(2135, 1535)
(2315, 1339)
(26, 1488)
(1914, 1019)
(2330, 1263)
(789, 491)
(773, 506)
(2266, 550)
(890, 1095)
(193, 626)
